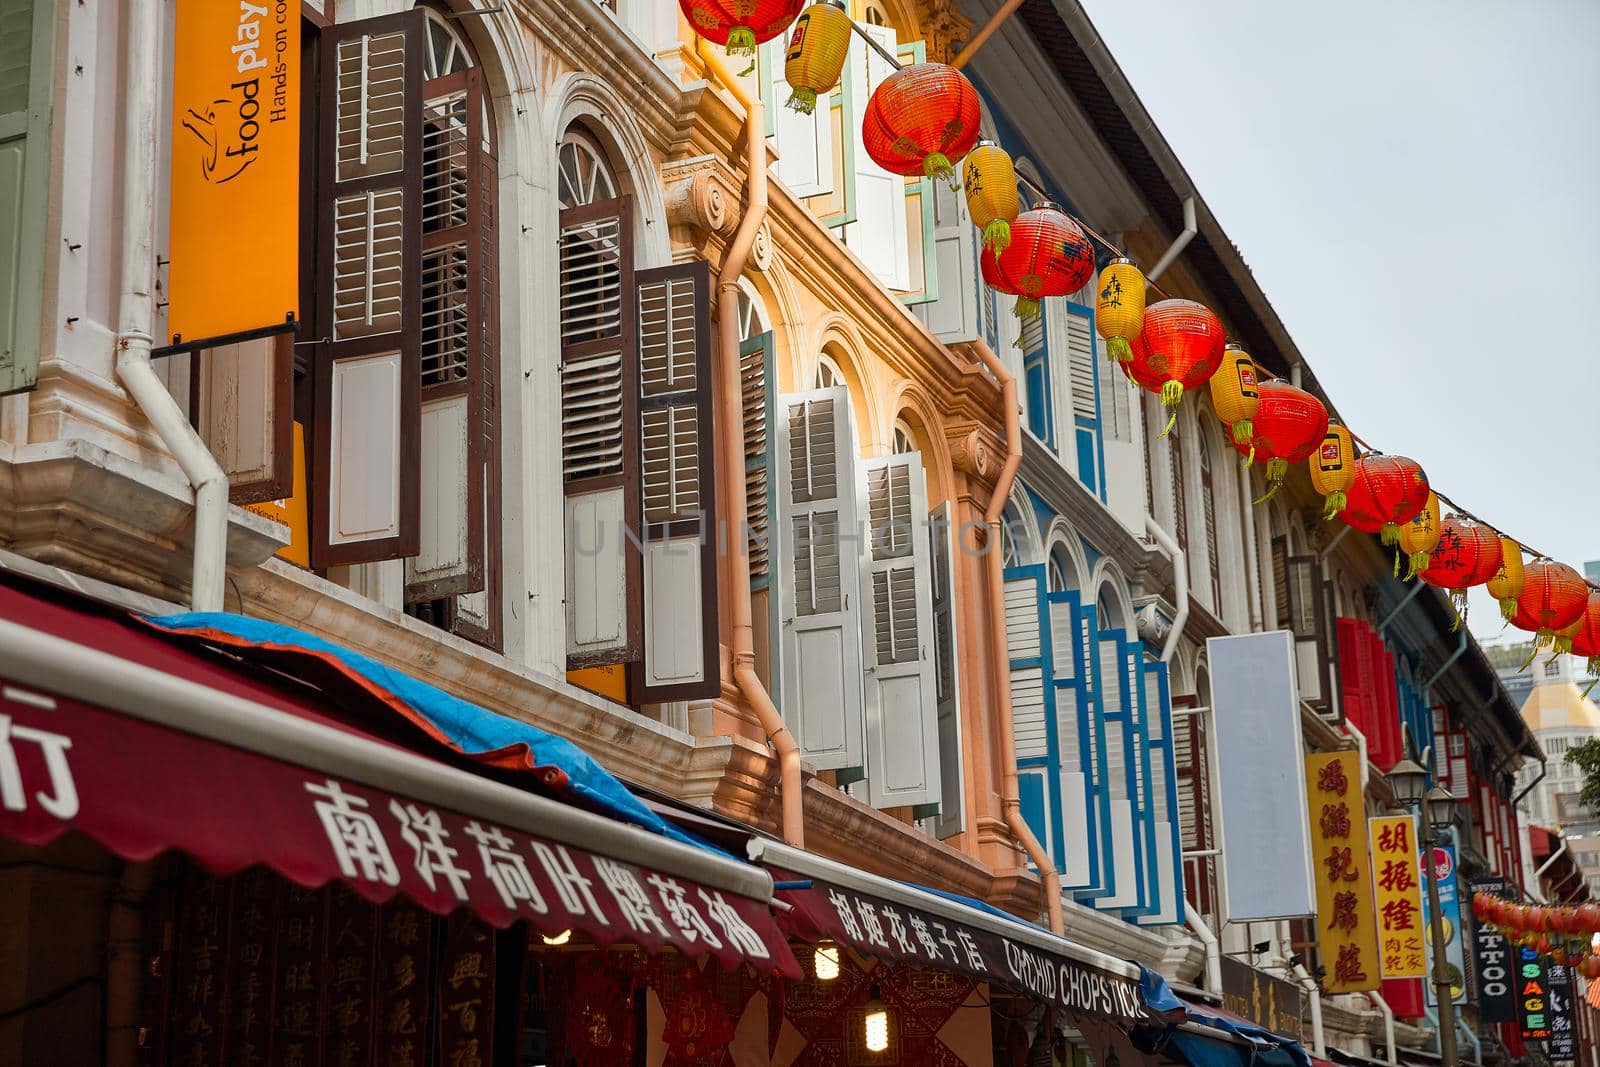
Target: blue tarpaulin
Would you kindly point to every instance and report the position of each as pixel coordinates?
(458, 724)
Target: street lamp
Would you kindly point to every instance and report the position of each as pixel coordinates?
(1437, 809)
(1409, 782)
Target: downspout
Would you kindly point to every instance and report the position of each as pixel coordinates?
(136, 312)
(734, 258)
(1010, 797)
(1461, 647)
(986, 31)
(1557, 854)
(1209, 940)
(1388, 1022)
(1361, 747)
(1180, 584)
(124, 958)
(1179, 243)
(1416, 588)
(1314, 999)
(1544, 769)
(1252, 569)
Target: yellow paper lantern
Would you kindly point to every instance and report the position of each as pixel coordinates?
(816, 53)
(1563, 641)
(1506, 585)
(1333, 469)
(1119, 309)
(1419, 536)
(1234, 396)
(990, 181)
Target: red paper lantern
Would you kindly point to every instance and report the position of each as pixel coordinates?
(1586, 642)
(1553, 597)
(1180, 347)
(1289, 425)
(1468, 554)
(1049, 255)
(740, 24)
(1386, 491)
(1588, 918)
(922, 119)
(1589, 967)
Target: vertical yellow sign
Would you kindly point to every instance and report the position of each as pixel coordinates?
(235, 228)
(1395, 872)
(1347, 930)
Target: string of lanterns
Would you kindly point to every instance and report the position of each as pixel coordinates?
(1564, 933)
(925, 119)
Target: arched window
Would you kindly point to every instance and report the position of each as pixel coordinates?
(1010, 534)
(1058, 570)
(583, 176)
(904, 440)
(1108, 610)
(752, 316)
(828, 372)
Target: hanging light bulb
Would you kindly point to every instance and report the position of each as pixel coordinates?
(559, 939)
(876, 1023)
(825, 961)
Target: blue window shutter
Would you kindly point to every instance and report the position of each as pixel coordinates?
(1033, 697)
(1083, 365)
(1079, 732)
(1142, 700)
(1036, 378)
(1168, 855)
(1087, 676)
(1125, 767)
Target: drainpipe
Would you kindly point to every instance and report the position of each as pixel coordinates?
(1252, 569)
(136, 311)
(734, 258)
(1179, 243)
(1461, 647)
(1010, 798)
(1314, 998)
(1544, 769)
(979, 39)
(124, 943)
(1416, 588)
(1557, 854)
(1209, 940)
(1388, 1022)
(1361, 746)
(1180, 584)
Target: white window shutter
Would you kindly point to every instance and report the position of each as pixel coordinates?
(368, 369)
(952, 816)
(1122, 775)
(245, 414)
(820, 588)
(600, 434)
(956, 316)
(878, 234)
(804, 142)
(897, 656)
(1078, 733)
(678, 472)
(1033, 702)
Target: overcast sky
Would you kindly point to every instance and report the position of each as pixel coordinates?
(1416, 186)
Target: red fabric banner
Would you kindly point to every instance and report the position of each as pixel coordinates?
(140, 789)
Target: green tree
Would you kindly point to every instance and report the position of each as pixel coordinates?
(1586, 757)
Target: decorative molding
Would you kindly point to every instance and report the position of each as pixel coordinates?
(943, 27)
(699, 195)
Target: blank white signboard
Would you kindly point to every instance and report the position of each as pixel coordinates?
(1266, 834)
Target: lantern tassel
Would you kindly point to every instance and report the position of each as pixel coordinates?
(1508, 608)
(1391, 533)
(1118, 350)
(1277, 470)
(997, 236)
(1397, 563)
(803, 101)
(937, 166)
(1332, 504)
(1594, 669)
(1027, 307)
(1171, 397)
(1458, 600)
(741, 41)
(1540, 639)
(1418, 563)
(1560, 646)
(1243, 431)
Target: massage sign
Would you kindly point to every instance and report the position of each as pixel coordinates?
(1347, 928)
(234, 241)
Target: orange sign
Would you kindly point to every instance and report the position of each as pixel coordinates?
(1395, 870)
(234, 270)
(1347, 929)
(291, 511)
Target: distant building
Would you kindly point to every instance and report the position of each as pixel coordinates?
(1560, 716)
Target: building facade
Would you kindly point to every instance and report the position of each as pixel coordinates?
(629, 405)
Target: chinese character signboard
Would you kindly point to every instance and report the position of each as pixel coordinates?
(1269, 1002)
(1347, 928)
(235, 228)
(1533, 1002)
(1396, 876)
(1494, 961)
(1561, 1044)
(1455, 957)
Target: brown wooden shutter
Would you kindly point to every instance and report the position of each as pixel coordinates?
(242, 404)
(1280, 581)
(1208, 493)
(366, 502)
(677, 472)
(600, 434)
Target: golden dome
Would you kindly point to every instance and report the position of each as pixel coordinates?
(1560, 706)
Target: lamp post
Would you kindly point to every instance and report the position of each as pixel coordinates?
(1436, 807)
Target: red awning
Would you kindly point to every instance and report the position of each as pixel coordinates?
(145, 747)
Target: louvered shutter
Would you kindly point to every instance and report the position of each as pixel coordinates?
(952, 815)
(1139, 706)
(1033, 703)
(27, 107)
(1084, 373)
(820, 588)
(1307, 594)
(678, 473)
(1036, 379)
(877, 235)
(758, 400)
(1280, 582)
(1124, 775)
(1080, 740)
(957, 315)
(243, 411)
(1208, 501)
(1180, 498)
(600, 433)
(1192, 768)
(367, 505)
(902, 712)
(1167, 853)
(804, 142)
(457, 338)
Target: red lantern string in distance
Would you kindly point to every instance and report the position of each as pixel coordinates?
(1554, 596)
